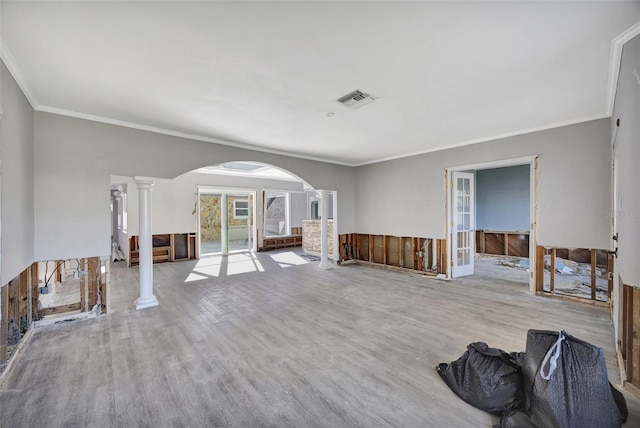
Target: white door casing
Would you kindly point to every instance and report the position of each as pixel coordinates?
(462, 224)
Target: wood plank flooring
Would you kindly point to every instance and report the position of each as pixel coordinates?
(291, 346)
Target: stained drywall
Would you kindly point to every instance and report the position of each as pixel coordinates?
(79, 156)
(16, 146)
(406, 196)
(626, 208)
(502, 198)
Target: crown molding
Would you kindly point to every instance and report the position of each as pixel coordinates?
(116, 122)
(614, 62)
(490, 138)
(16, 72)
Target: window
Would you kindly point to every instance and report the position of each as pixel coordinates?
(123, 203)
(315, 213)
(240, 208)
(276, 213)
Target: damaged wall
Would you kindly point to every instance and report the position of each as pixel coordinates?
(405, 197)
(16, 146)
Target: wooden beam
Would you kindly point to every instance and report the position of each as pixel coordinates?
(59, 270)
(25, 293)
(172, 244)
(384, 249)
(400, 252)
(627, 305)
(593, 274)
(635, 364)
(370, 248)
(35, 293)
(539, 268)
(356, 246)
(83, 284)
(506, 244)
(4, 324)
(609, 276)
(14, 305)
(104, 286)
(93, 272)
(552, 271)
(61, 309)
(444, 263)
(420, 251)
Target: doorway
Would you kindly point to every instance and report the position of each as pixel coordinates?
(226, 221)
(463, 215)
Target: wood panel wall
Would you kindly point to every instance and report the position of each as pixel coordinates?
(167, 247)
(630, 343)
(593, 257)
(16, 299)
(398, 252)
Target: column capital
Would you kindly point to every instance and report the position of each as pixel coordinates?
(144, 182)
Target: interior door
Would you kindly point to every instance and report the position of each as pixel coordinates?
(462, 224)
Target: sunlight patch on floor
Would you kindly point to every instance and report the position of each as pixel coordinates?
(243, 263)
(206, 267)
(288, 259)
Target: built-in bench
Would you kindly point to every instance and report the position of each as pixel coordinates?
(293, 240)
(167, 247)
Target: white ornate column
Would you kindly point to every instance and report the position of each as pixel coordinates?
(324, 230)
(146, 299)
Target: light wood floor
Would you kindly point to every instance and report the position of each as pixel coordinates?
(291, 346)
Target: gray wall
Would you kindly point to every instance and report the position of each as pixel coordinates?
(406, 196)
(79, 156)
(627, 158)
(16, 146)
(298, 202)
(502, 198)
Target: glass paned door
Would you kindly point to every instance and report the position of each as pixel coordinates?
(462, 224)
(240, 222)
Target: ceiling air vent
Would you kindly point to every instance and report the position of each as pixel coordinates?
(356, 99)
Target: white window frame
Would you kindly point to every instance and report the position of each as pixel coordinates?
(235, 209)
(287, 198)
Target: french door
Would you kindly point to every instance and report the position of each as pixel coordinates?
(462, 224)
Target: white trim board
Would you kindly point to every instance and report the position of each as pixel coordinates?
(163, 131)
(16, 72)
(614, 63)
(532, 161)
(523, 160)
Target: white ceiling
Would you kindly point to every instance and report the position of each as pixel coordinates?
(265, 74)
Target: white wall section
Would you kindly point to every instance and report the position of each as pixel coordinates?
(16, 147)
(627, 154)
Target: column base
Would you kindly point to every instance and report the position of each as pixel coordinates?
(147, 302)
(326, 265)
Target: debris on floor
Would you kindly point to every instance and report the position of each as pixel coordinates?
(570, 278)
